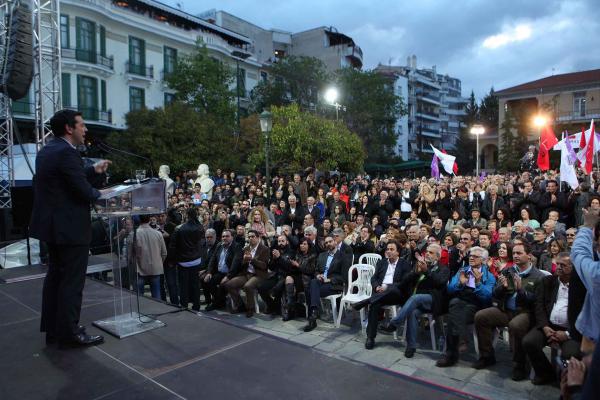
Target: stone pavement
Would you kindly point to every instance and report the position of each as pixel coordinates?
(348, 342)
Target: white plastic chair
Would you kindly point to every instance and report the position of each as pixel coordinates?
(496, 335)
(363, 287)
(393, 310)
(369, 258)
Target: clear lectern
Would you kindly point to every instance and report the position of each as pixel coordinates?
(118, 203)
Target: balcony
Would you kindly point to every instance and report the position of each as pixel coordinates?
(93, 114)
(139, 70)
(578, 115)
(87, 56)
(23, 108)
(354, 55)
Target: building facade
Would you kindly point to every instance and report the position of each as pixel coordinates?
(116, 54)
(435, 109)
(569, 101)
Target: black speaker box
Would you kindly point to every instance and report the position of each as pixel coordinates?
(17, 76)
(22, 205)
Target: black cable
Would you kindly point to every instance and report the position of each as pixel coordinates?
(113, 149)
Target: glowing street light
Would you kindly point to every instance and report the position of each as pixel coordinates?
(477, 130)
(331, 95)
(540, 121)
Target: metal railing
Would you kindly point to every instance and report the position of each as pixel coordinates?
(88, 56)
(578, 115)
(138, 69)
(94, 114)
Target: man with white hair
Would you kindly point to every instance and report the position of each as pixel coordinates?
(514, 299)
(471, 290)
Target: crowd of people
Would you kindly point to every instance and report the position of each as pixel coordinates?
(512, 252)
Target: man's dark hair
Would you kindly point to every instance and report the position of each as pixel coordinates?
(526, 246)
(62, 118)
(192, 214)
(144, 218)
(255, 232)
(395, 243)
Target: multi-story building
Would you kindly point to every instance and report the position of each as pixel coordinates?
(570, 101)
(335, 49)
(116, 54)
(435, 108)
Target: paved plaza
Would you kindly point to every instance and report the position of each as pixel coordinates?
(348, 342)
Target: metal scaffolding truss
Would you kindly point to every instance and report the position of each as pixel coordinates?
(6, 129)
(47, 74)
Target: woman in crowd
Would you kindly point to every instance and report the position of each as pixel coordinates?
(549, 258)
(364, 207)
(442, 205)
(338, 216)
(305, 262)
(350, 233)
(448, 248)
(503, 260)
(424, 202)
(260, 223)
(377, 226)
(526, 219)
(503, 218)
(413, 219)
(456, 220)
(352, 214)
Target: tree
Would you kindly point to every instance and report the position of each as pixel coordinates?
(488, 111)
(294, 79)
(466, 142)
(508, 158)
(300, 140)
(204, 83)
(177, 135)
(372, 109)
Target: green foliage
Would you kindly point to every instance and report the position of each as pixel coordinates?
(300, 140)
(291, 80)
(204, 83)
(508, 159)
(372, 109)
(177, 135)
(488, 110)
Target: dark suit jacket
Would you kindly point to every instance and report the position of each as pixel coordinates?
(260, 261)
(63, 193)
(546, 295)
(233, 259)
(434, 283)
(403, 267)
(488, 209)
(338, 269)
(294, 220)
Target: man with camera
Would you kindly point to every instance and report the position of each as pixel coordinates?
(514, 299)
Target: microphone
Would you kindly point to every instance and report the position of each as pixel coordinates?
(112, 150)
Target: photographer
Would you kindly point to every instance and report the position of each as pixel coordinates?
(514, 298)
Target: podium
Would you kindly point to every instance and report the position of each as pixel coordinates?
(118, 203)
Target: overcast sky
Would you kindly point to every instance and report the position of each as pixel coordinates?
(484, 43)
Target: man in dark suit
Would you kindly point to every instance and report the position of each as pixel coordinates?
(207, 251)
(63, 193)
(389, 272)
(252, 273)
(552, 325)
(294, 215)
(224, 265)
(331, 273)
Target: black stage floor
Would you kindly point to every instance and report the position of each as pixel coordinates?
(193, 357)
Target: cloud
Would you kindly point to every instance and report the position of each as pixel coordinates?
(516, 34)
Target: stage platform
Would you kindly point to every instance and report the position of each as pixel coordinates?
(193, 357)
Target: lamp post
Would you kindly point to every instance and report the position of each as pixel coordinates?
(266, 124)
(331, 96)
(477, 130)
(238, 55)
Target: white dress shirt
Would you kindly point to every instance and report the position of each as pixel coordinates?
(558, 316)
(388, 279)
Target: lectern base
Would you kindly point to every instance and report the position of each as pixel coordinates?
(129, 324)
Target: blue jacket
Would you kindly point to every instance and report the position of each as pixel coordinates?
(482, 291)
(588, 322)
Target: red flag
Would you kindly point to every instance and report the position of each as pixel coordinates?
(455, 166)
(547, 141)
(589, 152)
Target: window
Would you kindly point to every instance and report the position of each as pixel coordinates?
(87, 97)
(136, 99)
(170, 60)
(102, 41)
(263, 76)
(241, 82)
(579, 104)
(137, 56)
(65, 43)
(66, 90)
(22, 106)
(86, 40)
(169, 98)
(103, 95)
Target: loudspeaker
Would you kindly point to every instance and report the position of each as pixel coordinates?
(22, 205)
(18, 73)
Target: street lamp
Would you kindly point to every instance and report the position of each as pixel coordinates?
(266, 124)
(540, 121)
(238, 55)
(477, 130)
(331, 96)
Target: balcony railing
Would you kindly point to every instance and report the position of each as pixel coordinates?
(94, 114)
(578, 115)
(141, 70)
(23, 108)
(88, 56)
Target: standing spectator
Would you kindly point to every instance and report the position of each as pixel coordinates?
(150, 253)
(186, 247)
